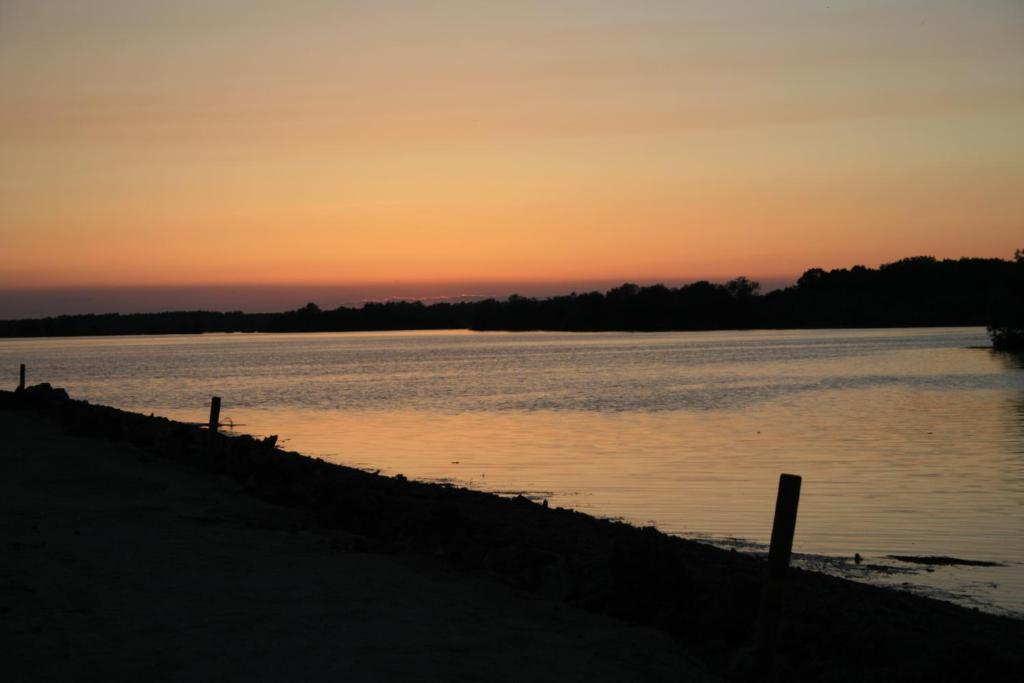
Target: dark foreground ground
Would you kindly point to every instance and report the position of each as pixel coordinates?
(122, 567)
(124, 559)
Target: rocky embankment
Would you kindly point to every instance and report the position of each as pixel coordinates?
(707, 598)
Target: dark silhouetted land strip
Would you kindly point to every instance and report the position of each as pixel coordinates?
(705, 598)
(920, 291)
(119, 566)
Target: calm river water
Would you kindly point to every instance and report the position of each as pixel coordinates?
(910, 442)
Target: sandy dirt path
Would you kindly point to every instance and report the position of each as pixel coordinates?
(117, 566)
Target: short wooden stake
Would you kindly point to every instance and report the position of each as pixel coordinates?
(214, 414)
(21, 377)
(779, 553)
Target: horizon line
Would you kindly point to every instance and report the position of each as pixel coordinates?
(397, 282)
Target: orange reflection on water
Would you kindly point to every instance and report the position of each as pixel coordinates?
(909, 441)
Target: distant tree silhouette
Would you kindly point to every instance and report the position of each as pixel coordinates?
(1007, 323)
(916, 291)
(741, 287)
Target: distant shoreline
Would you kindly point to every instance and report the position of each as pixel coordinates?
(912, 292)
(441, 330)
(704, 597)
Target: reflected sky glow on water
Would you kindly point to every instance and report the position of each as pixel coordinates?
(909, 441)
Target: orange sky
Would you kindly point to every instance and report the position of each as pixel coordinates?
(231, 141)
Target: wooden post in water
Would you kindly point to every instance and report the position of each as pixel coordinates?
(781, 548)
(214, 414)
(21, 377)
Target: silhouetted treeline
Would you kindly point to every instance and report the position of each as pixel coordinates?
(1006, 323)
(919, 291)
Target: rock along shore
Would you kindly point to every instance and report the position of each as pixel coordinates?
(704, 597)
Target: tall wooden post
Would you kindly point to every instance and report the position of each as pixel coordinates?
(779, 553)
(214, 414)
(21, 378)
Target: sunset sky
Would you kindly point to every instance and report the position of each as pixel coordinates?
(422, 148)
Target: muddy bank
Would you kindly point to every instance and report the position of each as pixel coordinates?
(943, 561)
(119, 566)
(704, 597)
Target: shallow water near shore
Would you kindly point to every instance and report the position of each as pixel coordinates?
(910, 442)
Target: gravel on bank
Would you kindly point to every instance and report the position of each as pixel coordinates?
(702, 597)
(118, 566)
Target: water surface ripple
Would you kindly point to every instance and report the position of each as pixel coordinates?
(910, 442)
